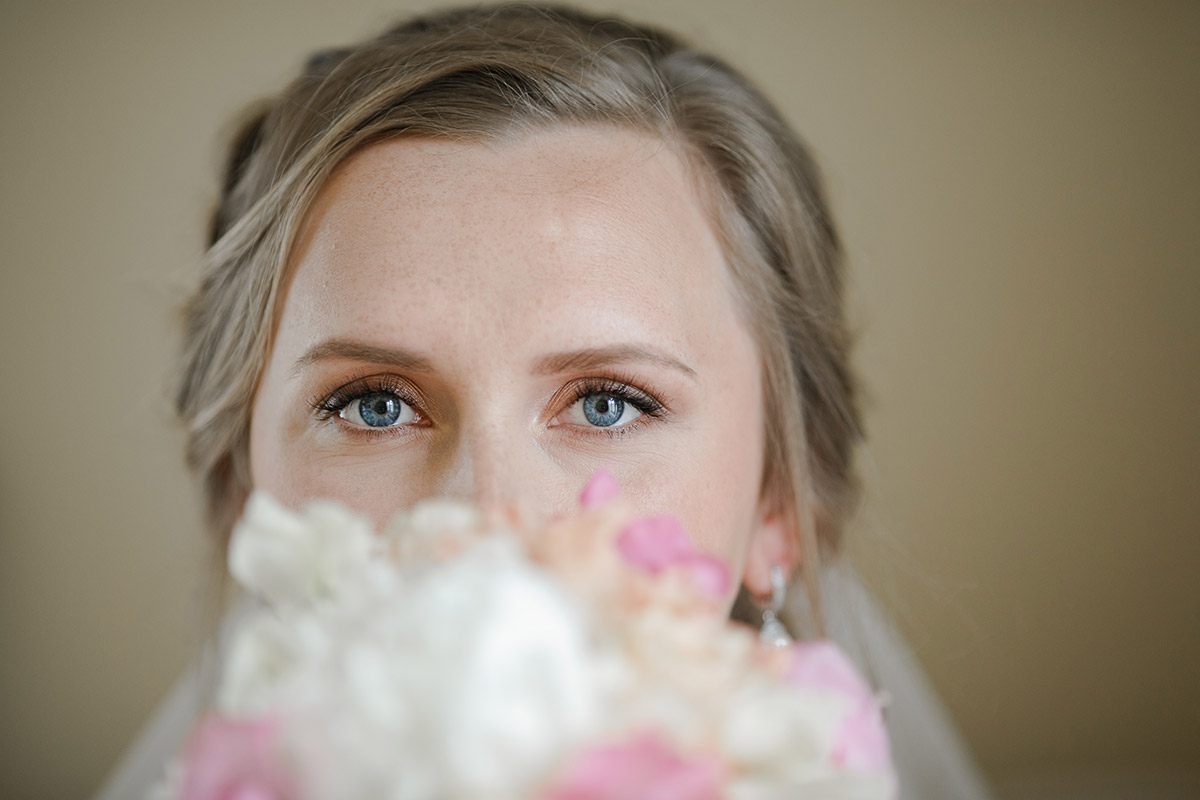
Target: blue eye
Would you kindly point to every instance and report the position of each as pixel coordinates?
(378, 410)
(603, 410)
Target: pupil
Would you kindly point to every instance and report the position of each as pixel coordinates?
(603, 410)
(379, 410)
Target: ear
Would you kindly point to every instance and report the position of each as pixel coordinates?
(775, 541)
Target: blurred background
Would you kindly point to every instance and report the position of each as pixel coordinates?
(1018, 187)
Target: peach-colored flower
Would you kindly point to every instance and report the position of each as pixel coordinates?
(579, 551)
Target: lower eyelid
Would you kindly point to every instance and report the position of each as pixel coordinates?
(616, 432)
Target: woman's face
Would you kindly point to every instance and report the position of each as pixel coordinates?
(498, 321)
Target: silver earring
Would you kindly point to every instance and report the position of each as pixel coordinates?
(773, 632)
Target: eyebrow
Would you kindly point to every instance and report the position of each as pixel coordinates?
(360, 351)
(596, 357)
(553, 364)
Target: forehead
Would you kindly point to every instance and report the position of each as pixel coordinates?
(556, 228)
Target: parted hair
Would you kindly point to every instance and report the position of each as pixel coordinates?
(484, 73)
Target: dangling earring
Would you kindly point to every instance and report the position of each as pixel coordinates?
(773, 632)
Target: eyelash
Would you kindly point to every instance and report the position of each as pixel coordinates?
(643, 401)
(328, 406)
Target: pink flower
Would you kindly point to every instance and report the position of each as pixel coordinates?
(645, 768)
(601, 489)
(819, 664)
(231, 759)
(861, 743)
(709, 574)
(656, 543)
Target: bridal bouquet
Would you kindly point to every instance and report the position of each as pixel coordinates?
(463, 655)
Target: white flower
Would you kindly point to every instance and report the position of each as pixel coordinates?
(290, 559)
(465, 674)
(839, 786)
(507, 674)
(774, 728)
(444, 659)
(434, 529)
(261, 652)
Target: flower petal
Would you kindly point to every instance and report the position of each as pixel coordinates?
(231, 758)
(821, 666)
(862, 742)
(709, 575)
(654, 543)
(601, 489)
(644, 767)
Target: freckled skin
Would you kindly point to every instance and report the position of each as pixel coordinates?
(483, 258)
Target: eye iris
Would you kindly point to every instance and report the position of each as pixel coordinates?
(379, 410)
(603, 410)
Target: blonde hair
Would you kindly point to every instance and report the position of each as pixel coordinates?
(480, 73)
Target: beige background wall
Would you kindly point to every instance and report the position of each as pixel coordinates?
(1019, 188)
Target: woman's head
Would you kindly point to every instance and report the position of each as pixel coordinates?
(450, 257)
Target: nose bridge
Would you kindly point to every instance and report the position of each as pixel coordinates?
(488, 463)
(492, 457)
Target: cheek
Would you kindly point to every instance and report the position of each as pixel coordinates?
(713, 483)
(721, 512)
(295, 468)
(276, 466)
(295, 473)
